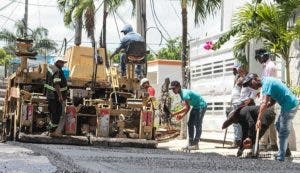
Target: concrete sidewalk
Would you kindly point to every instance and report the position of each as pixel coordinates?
(214, 147)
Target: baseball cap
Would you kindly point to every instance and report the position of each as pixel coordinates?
(237, 65)
(174, 84)
(261, 53)
(60, 58)
(249, 77)
(143, 81)
(127, 28)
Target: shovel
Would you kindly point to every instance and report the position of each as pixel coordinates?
(255, 152)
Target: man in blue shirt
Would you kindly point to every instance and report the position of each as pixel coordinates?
(273, 90)
(130, 36)
(191, 98)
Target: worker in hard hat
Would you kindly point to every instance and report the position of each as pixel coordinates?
(145, 84)
(56, 92)
(129, 36)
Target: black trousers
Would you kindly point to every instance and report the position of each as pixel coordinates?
(248, 117)
(55, 109)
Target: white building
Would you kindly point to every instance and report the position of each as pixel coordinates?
(159, 70)
(211, 71)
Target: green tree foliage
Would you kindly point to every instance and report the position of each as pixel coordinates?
(266, 22)
(172, 50)
(4, 57)
(41, 43)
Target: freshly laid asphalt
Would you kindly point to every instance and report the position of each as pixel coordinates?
(211, 157)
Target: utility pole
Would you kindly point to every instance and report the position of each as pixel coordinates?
(25, 20)
(141, 25)
(141, 17)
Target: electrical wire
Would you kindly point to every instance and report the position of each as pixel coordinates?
(7, 5)
(172, 5)
(32, 4)
(39, 13)
(155, 16)
(12, 12)
(117, 26)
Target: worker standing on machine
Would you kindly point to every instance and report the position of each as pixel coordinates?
(56, 93)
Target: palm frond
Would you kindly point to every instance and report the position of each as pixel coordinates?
(8, 36)
(61, 4)
(20, 26)
(40, 33)
(203, 8)
(46, 44)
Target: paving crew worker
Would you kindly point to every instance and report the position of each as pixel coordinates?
(269, 70)
(191, 98)
(247, 118)
(56, 92)
(129, 36)
(273, 90)
(145, 84)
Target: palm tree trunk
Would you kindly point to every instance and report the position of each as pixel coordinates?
(78, 31)
(184, 60)
(103, 33)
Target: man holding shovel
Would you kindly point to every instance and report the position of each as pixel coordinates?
(273, 90)
(56, 92)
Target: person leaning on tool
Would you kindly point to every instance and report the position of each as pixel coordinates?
(56, 92)
(190, 98)
(146, 85)
(129, 36)
(273, 90)
(247, 118)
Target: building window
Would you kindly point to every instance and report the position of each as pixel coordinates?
(212, 70)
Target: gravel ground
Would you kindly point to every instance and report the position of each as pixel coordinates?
(119, 160)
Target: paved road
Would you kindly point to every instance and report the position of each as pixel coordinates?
(19, 159)
(120, 160)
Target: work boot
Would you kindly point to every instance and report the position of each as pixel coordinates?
(193, 147)
(288, 152)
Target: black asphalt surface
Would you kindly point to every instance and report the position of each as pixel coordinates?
(69, 158)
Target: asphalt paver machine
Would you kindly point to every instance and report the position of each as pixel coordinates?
(111, 106)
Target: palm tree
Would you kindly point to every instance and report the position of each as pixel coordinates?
(202, 8)
(41, 43)
(270, 26)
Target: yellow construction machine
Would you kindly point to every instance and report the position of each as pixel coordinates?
(111, 106)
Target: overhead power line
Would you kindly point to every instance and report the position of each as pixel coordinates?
(7, 5)
(32, 4)
(157, 19)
